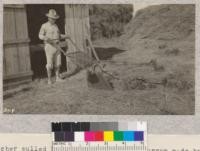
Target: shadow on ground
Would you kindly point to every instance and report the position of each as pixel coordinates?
(107, 53)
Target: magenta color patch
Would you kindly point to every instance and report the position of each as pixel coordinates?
(89, 136)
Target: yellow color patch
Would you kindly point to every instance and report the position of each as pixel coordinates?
(108, 136)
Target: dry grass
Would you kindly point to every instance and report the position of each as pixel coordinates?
(141, 90)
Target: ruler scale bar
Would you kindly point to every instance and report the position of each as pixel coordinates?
(103, 147)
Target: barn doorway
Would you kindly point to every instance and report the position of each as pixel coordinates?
(35, 18)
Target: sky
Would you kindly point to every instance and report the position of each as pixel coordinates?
(141, 5)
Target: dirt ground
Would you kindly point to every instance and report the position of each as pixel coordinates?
(142, 88)
(154, 64)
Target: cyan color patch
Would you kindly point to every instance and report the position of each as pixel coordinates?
(129, 136)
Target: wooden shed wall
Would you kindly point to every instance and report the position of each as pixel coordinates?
(16, 55)
(76, 26)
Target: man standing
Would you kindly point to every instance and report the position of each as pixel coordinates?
(50, 34)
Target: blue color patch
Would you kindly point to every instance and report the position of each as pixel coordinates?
(129, 136)
(139, 136)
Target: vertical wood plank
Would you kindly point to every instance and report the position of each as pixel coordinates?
(21, 24)
(81, 27)
(4, 64)
(77, 16)
(67, 16)
(72, 28)
(24, 60)
(87, 20)
(11, 54)
(11, 60)
(77, 25)
(75, 12)
(84, 21)
(85, 27)
(9, 24)
(22, 33)
(16, 57)
(67, 28)
(74, 31)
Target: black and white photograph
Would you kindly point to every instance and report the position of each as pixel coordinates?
(99, 59)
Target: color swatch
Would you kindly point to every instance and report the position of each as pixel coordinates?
(93, 126)
(79, 136)
(89, 136)
(106, 136)
(99, 136)
(84, 126)
(95, 131)
(129, 136)
(118, 136)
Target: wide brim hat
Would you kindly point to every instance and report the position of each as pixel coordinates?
(52, 14)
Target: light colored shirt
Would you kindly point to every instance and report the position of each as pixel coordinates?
(50, 31)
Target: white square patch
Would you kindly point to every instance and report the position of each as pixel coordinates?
(79, 137)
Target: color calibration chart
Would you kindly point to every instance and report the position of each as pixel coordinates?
(99, 136)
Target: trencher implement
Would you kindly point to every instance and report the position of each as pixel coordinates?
(95, 70)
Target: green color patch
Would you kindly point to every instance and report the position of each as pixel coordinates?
(118, 136)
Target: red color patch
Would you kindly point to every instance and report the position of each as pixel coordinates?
(99, 136)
